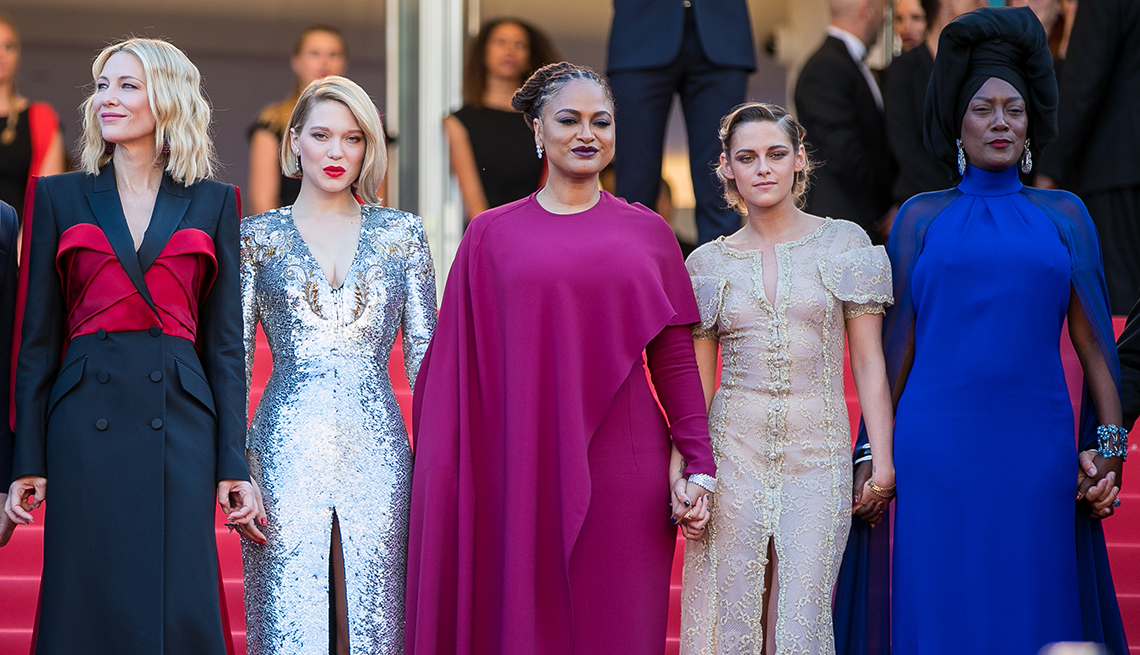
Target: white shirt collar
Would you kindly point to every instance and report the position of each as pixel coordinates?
(855, 45)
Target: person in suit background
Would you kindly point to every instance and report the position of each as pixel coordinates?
(1098, 136)
(839, 104)
(130, 372)
(699, 49)
(8, 230)
(904, 92)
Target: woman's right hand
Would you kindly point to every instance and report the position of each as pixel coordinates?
(244, 508)
(7, 526)
(26, 494)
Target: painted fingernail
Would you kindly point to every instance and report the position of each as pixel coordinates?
(673, 520)
(264, 522)
(1078, 495)
(686, 503)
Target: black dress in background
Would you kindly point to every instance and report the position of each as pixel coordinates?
(509, 167)
(15, 163)
(273, 120)
(904, 92)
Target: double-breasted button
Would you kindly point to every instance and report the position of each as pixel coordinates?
(155, 330)
(103, 377)
(100, 334)
(101, 424)
(156, 424)
(156, 376)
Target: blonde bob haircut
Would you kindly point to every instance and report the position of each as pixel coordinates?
(335, 88)
(181, 112)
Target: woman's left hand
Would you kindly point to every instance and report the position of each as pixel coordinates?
(241, 501)
(1098, 482)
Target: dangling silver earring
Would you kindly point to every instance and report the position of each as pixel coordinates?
(1027, 159)
(961, 158)
(538, 149)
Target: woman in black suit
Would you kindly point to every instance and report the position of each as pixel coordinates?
(130, 373)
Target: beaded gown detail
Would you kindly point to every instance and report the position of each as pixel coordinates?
(328, 436)
(781, 437)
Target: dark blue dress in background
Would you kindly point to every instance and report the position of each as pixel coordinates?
(990, 294)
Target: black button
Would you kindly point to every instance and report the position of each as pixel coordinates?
(156, 375)
(100, 333)
(101, 424)
(156, 424)
(155, 330)
(103, 377)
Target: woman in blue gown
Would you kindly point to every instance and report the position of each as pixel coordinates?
(990, 559)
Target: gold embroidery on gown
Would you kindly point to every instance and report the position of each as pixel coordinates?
(780, 435)
(328, 434)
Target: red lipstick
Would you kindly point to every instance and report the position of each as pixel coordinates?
(334, 171)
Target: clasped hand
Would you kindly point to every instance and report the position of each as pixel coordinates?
(866, 503)
(1098, 482)
(242, 503)
(26, 494)
(692, 515)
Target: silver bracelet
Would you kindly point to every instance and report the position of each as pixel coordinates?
(705, 481)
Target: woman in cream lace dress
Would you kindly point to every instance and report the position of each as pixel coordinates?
(778, 297)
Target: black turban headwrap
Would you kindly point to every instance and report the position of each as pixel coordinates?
(1006, 43)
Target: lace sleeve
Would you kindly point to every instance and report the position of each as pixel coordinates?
(860, 278)
(710, 293)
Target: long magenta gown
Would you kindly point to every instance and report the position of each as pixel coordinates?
(540, 493)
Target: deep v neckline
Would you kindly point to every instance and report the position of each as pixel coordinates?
(317, 264)
(757, 256)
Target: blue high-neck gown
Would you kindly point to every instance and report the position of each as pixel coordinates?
(984, 558)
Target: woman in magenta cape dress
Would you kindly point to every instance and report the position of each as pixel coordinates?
(539, 502)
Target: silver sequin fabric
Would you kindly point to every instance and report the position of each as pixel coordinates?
(328, 435)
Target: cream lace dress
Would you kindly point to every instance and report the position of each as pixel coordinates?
(780, 435)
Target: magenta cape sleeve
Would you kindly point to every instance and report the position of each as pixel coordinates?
(542, 319)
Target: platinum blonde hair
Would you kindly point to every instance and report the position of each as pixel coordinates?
(181, 112)
(335, 88)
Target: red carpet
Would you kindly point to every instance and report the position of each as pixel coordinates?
(21, 559)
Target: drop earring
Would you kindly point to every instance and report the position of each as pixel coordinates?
(961, 158)
(1027, 159)
(538, 149)
(109, 149)
(166, 146)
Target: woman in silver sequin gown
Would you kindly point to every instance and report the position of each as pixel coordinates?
(328, 444)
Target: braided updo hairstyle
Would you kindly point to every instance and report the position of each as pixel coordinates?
(549, 80)
(757, 112)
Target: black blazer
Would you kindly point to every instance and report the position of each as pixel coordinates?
(1098, 124)
(63, 201)
(904, 93)
(8, 270)
(647, 33)
(132, 425)
(847, 137)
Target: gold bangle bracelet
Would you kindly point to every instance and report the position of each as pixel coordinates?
(884, 492)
